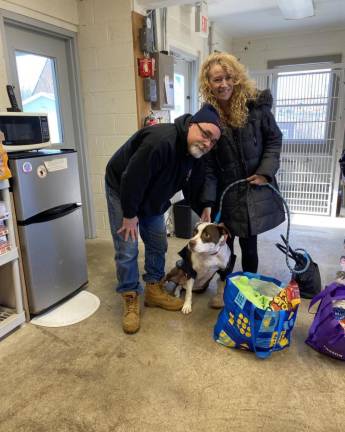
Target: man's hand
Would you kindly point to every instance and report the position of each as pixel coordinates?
(130, 228)
(257, 179)
(206, 215)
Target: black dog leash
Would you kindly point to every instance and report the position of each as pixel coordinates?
(286, 241)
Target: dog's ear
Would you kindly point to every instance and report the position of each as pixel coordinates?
(223, 231)
(195, 229)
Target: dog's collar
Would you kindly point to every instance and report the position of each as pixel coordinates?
(215, 253)
(219, 248)
(209, 253)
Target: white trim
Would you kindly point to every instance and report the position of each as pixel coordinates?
(80, 128)
(339, 144)
(194, 62)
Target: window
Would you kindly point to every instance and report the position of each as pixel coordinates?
(179, 97)
(37, 82)
(302, 109)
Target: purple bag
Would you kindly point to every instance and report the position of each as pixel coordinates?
(326, 335)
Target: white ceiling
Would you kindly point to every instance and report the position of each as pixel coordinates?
(242, 18)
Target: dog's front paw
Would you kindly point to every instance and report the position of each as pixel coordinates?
(187, 308)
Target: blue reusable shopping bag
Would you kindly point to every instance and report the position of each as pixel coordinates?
(243, 325)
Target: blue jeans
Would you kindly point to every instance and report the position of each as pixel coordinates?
(153, 233)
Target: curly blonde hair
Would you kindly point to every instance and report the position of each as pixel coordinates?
(244, 88)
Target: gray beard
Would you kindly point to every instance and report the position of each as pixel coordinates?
(195, 151)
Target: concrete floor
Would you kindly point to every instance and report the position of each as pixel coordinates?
(171, 376)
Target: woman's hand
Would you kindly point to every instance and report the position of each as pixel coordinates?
(257, 179)
(130, 228)
(206, 215)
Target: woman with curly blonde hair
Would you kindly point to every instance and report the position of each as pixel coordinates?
(234, 110)
(249, 148)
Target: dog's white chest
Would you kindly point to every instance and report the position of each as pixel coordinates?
(203, 263)
(206, 266)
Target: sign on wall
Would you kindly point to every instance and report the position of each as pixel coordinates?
(201, 18)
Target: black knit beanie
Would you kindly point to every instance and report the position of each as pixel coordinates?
(206, 114)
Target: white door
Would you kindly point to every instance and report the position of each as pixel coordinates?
(40, 68)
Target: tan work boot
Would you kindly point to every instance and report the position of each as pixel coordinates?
(131, 312)
(156, 296)
(217, 301)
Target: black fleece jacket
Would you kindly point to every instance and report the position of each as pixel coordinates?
(151, 167)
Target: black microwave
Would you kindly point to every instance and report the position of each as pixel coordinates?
(24, 131)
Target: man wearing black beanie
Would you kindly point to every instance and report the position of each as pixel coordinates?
(141, 177)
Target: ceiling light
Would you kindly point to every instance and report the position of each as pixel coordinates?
(296, 9)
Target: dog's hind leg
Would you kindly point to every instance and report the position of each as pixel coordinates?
(178, 289)
(217, 301)
(187, 306)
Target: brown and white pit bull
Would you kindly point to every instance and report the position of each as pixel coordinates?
(206, 255)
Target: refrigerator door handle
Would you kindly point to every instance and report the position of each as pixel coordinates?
(51, 214)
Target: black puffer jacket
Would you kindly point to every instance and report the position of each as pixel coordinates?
(151, 167)
(240, 153)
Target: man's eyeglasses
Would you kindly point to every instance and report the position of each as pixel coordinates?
(206, 135)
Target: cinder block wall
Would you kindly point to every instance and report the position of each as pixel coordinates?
(108, 86)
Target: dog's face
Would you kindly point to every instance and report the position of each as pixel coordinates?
(208, 238)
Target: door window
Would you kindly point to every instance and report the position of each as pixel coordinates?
(38, 89)
(182, 88)
(303, 105)
(179, 96)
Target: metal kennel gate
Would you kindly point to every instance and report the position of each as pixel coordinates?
(309, 108)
